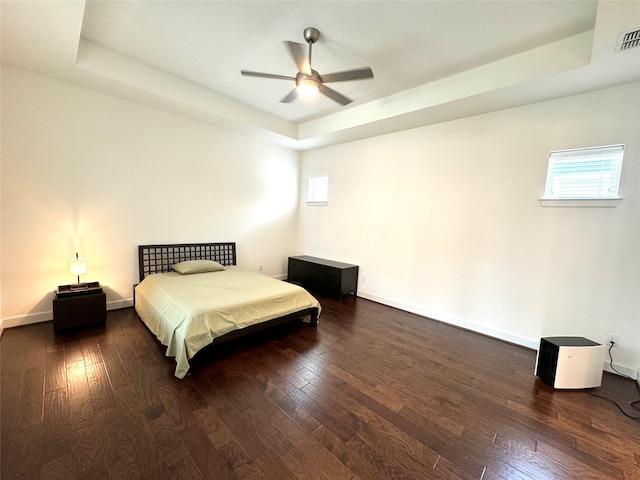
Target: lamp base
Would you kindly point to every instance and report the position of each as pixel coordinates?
(78, 286)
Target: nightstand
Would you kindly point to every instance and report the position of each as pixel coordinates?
(79, 305)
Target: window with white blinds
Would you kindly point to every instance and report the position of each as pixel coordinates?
(318, 191)
(584, 173)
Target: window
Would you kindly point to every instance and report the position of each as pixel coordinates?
(318, 192)
(584, 174)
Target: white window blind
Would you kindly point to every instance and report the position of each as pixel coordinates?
(584, 173)
(318, 191)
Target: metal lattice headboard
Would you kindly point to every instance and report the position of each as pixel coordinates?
(161, 258)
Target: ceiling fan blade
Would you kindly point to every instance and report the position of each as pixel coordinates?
(291, 96)
(356, 74)
(333, 95)
(297, 52)
(248, 73)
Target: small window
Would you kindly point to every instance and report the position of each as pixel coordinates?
(584, 174)
(318, 193)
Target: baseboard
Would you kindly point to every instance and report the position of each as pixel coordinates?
(458, 322)
(21, 320)
(118, 304)
(621, 369)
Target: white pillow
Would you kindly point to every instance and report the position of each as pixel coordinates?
(197, 266)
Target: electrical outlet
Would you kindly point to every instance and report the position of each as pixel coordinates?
(613, 338)
(364, 280)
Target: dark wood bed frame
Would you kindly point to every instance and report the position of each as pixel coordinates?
(161, 258)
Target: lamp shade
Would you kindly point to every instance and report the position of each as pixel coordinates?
(77, 266)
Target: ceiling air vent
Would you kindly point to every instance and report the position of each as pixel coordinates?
(627, 40)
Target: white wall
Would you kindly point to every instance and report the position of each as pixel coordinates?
(88, 172)
(444, 220)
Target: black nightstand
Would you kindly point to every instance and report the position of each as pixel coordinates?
(77, 306)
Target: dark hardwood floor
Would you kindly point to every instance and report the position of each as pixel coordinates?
(373, 393)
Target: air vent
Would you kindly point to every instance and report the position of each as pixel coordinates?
(627, 40)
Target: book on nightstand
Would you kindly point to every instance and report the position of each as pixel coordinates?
(78, 289)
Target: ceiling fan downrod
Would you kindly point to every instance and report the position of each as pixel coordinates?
(311, 36)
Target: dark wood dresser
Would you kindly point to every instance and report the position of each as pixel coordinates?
(321, 275)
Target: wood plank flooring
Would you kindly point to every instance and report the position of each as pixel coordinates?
(372, 393)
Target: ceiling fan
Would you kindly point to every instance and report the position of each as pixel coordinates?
(308, 81)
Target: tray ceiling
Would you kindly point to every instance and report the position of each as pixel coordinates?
(432, 60)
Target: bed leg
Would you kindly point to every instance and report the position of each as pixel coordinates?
(314, 318)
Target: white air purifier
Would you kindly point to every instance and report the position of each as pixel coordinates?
(570, 362)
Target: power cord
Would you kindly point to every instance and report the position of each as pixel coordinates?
(636, 404)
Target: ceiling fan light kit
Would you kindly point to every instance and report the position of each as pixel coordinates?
(308, 81)
(307, 85)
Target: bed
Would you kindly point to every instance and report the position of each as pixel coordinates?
(212, 300)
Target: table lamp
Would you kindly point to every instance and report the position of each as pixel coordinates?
(78, 266)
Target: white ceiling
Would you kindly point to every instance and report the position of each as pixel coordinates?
(406, 43)
(432, 60)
